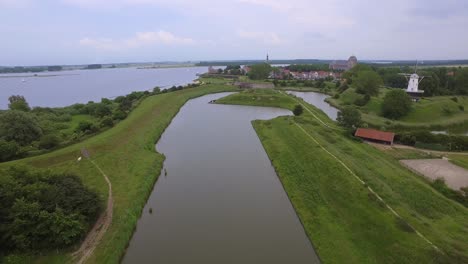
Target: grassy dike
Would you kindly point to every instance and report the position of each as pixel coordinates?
(437, 113)
(345, 222)
(126, 153)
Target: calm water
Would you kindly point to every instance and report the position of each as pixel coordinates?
(81, 86)
(221, 200)
(318, 100)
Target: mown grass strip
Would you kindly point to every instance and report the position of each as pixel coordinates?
(368, 187)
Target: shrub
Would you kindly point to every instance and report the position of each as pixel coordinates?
(336, 96)
(49, 141)
(102, 110)
(396, 104)
(362, 101)
(298, 110)
(8, 150)
(349, 117)
(19, 126)
(119, 115)
(44, 211)
(461, 107)
(107, 122)
(86, 127)
(455, 99)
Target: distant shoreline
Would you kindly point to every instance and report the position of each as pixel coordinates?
(37, 75)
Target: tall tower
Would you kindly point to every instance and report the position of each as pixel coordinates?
(267, 59)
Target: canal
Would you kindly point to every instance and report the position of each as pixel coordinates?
(220, 200)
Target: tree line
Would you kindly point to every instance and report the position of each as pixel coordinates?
(28, 131)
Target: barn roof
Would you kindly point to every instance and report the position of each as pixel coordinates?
(374, 134)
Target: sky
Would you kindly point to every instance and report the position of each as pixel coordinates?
(48, 32)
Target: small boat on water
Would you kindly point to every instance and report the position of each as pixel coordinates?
(23, 80)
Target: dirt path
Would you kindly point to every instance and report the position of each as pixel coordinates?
(429, 151)
(100, 227)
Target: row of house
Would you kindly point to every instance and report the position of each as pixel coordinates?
(315, 75)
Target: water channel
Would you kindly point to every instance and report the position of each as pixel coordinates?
(221, 200)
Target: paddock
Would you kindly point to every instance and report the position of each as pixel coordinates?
(455, 177)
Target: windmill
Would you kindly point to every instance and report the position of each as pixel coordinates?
(413, 82)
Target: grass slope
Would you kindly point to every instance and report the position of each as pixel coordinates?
(345, 222)
(127, 155)
(438, 111)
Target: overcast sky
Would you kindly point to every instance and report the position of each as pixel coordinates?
(38, 32)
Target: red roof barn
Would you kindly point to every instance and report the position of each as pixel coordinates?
(375, 135)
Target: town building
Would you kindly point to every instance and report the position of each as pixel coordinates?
(343, 65)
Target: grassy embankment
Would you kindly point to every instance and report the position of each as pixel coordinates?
(126, 154)
(460, 160)
(430, 112)
(345, 221)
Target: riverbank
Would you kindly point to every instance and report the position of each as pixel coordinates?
(339, 212)
(126, 154)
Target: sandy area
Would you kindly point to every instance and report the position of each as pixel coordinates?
(455, 176)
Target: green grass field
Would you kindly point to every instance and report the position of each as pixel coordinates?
(438, 111)
(126, 153)
(261, 97)
(460, 160)
(345, 222)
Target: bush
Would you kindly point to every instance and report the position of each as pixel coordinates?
(86, 127)
(396, 104)
(461, 107)
(455, 99)
(44, 211)
(362, 101)
(336, 96)
(119, 115)
(107, 122)
(298, 110)
(349, 117)
(49, 141)
(8, 150)
(407, 139)
(20, 127)
(102, 110)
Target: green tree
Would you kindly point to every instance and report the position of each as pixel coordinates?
(107, 122)
(19, 126)
(40, 210)
(102, 110)
(396, 104)
(18, 102)
(86, 127)
(368, 82)
(260, 71)
(298, 110)
(349, 117)
(461, 81)
(8, 150)
(156, 90)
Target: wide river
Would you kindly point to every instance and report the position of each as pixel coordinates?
(57, 89)
(221, 200)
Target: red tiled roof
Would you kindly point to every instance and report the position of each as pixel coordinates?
(375, 134)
